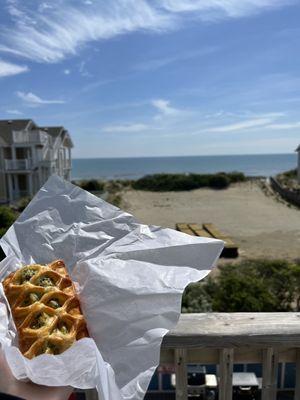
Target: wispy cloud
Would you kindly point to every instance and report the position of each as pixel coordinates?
(239, 126)
(83, 70)
(284, 126)
(14, 112)
(163, 106)
(49, 33)
(32, 100)
(61, 31)
(216, 9)
(156, 63)
(44, 6)
(130, 128)
(9, 69)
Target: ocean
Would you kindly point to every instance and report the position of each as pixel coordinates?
(134, 168)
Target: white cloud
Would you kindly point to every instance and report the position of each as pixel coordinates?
(61, 31)
(83, 70)
(163, 106)
(157, 63)
(284, 126)
(14, 112)
(44, 6)
(130, 128)
(239, 126)
(215, 9)
(9, 69)
(67, 71)
(52, 32)
(32, 100)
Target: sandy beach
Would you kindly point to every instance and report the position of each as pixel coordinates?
(261, 225)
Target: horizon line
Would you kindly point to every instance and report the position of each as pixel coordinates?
(183, 156)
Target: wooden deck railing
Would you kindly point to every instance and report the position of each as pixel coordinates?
(228, 338)
(225, 339)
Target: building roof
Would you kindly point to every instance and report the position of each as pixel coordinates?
(7, 126)
(54, 131)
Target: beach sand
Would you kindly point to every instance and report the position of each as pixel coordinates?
(259, 224)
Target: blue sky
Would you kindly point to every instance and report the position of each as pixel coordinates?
(155, 77)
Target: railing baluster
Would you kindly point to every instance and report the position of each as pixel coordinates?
(270, 372)
(226, 369)
(181, 374)
(297, 388)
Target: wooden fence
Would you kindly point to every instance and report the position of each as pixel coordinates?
(291, 196)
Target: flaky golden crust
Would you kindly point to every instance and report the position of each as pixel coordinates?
(45, 308)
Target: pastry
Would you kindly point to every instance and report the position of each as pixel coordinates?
(45, 308)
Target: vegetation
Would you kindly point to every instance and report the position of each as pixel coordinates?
(92, 185)
(115, 199)
(165, 182)
(196, 298)
(179, 182)
(7, 218)
(22, 204)
(288, 179)
(250, 286)
(290, 174)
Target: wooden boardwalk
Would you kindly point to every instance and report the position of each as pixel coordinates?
(211, 231)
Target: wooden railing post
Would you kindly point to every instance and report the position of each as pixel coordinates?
(270, 373)
(225, 371)
(181, 374)
(297, 388)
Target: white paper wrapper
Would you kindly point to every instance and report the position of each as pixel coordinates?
(130, 279)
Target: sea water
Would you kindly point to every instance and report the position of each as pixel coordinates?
(134, 168)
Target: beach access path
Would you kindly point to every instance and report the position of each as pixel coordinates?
(259, 224)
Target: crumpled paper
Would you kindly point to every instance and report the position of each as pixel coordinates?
(130, 278)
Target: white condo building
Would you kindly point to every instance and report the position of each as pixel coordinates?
(29, 154)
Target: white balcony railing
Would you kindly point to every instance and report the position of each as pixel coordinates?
(18, 165)
(35, 136)
(224, 339)
(67, 164)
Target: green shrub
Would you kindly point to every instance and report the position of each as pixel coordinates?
(249, 286)
(3, 231)
(7, 217)
(92, 185)
(23, 203)
(236, 176)
(179, 182)
(196, 299)
(290, 174)
(115, 199)
(219, 181)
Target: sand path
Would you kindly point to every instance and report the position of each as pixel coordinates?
(260, 225)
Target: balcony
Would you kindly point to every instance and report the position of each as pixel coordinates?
(225, 339)
(67, 164)
(30, 137)
(18, 165)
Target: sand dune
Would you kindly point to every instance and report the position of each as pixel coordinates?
(262, 226)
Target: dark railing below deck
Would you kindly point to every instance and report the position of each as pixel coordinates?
(228, 338)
